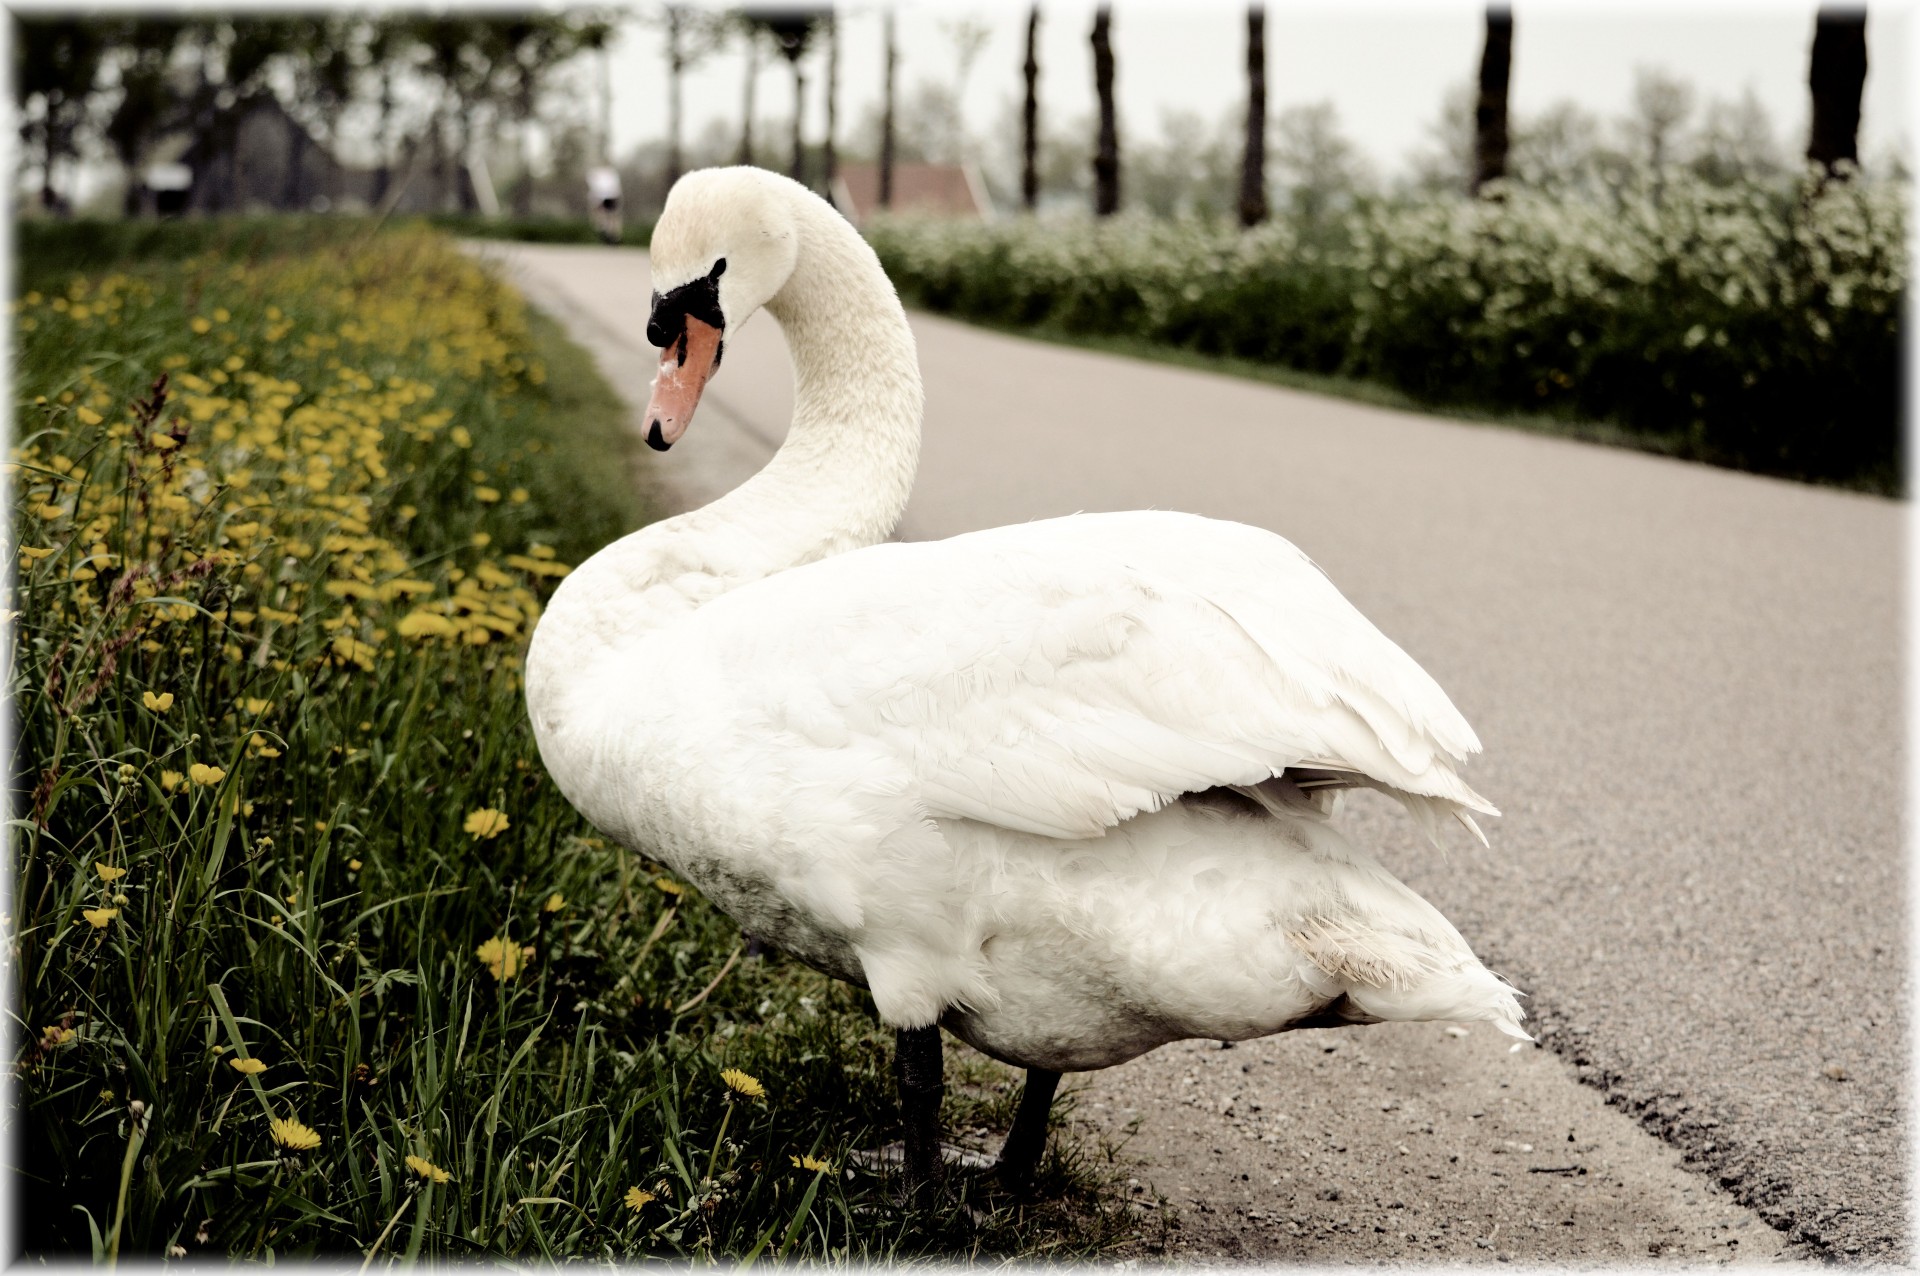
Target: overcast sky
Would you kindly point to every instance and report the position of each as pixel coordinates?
(1385, 67)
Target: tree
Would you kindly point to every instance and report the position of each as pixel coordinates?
(886, 116)
(1030, 116)
(829, 157)
(142, 50)
(1837, 75)
(790, 30)
(1735, 145)
(1317, 162)
(1661, 104)
(751, 34)
(56, 63)
(1556, 150)
(1490, 108)
(692, 34)
(1106, 156)
(1253, 168)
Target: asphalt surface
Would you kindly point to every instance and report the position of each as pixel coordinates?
(1689, 684)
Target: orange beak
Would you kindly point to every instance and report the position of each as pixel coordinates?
(684, 368)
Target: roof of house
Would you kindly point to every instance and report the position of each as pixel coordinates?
(946, 190)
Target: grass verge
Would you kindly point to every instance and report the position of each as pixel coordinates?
(309, 957)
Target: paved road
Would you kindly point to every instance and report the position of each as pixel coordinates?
(1689, 684)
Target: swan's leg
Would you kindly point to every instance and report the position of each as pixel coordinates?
(1020, 1155)
(917, 1074)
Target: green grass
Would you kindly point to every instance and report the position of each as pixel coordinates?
(266, 631)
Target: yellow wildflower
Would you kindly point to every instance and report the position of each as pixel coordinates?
(255, 706)
(555, 902)
(486, 823)
(33, 553)
(54, 1035)
(158, 704)
(248, 1067)
(502, 959)
(637, 1199)
(87, 416)
(99, 917)
(742, 1084)
(170, 780)
(669, 886)
(201, 773)
(201, 326)
(428, 1170)
(479, 539)
(418, 623)
(810, 1163)
(290, 1134)
(486, 495)
(108, 872)
(353, 866)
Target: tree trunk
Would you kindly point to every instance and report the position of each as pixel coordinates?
(383, 172)
(1490, 110)
(1837, 75)
(296, 154)
(1253, 168)
(676, 67)
(798, 172)
(886, 121)
(830, 158)
(523, 189)
(746, 114)
(1106, 158)
(1030, 117)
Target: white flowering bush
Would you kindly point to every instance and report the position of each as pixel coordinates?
(1746, 326)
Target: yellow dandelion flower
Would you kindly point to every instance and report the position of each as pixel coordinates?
(502, 959)
(171, 780)
(813, 1163)
(486, 495)
(637, 1199)
(420, 623)
(157, 703)
(254, 706)
(486, 823)
(460, 436)
(519, 496)
(201, 773)
(201, 326)
(87, 416)
(290, 1134)
(479, 539)
(555, 902)
(742, 1084)
(428, 1170)
(248, 1067)
(108, 872)
(99, 917)
(353, 866)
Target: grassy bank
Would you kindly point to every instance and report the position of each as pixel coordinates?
(310, 956)
(1752, 328)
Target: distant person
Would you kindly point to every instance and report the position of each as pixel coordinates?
(603, 198)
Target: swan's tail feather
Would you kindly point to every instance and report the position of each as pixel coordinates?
(1389, 975)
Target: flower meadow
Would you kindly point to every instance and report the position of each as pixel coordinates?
(308, 955)
(1745, 326)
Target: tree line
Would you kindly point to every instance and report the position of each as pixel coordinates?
(426, 89)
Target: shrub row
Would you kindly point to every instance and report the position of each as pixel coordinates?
(1753, 328)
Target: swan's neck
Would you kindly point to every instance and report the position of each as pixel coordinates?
(840, 481)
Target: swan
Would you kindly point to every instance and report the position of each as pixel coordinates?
(1064, 789)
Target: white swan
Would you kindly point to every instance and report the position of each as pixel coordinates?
(1062, 787)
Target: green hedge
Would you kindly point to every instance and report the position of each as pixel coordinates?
(1748, 328)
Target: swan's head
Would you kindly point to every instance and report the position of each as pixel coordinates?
(725, 244)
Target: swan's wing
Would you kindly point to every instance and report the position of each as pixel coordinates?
(1060, 677)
